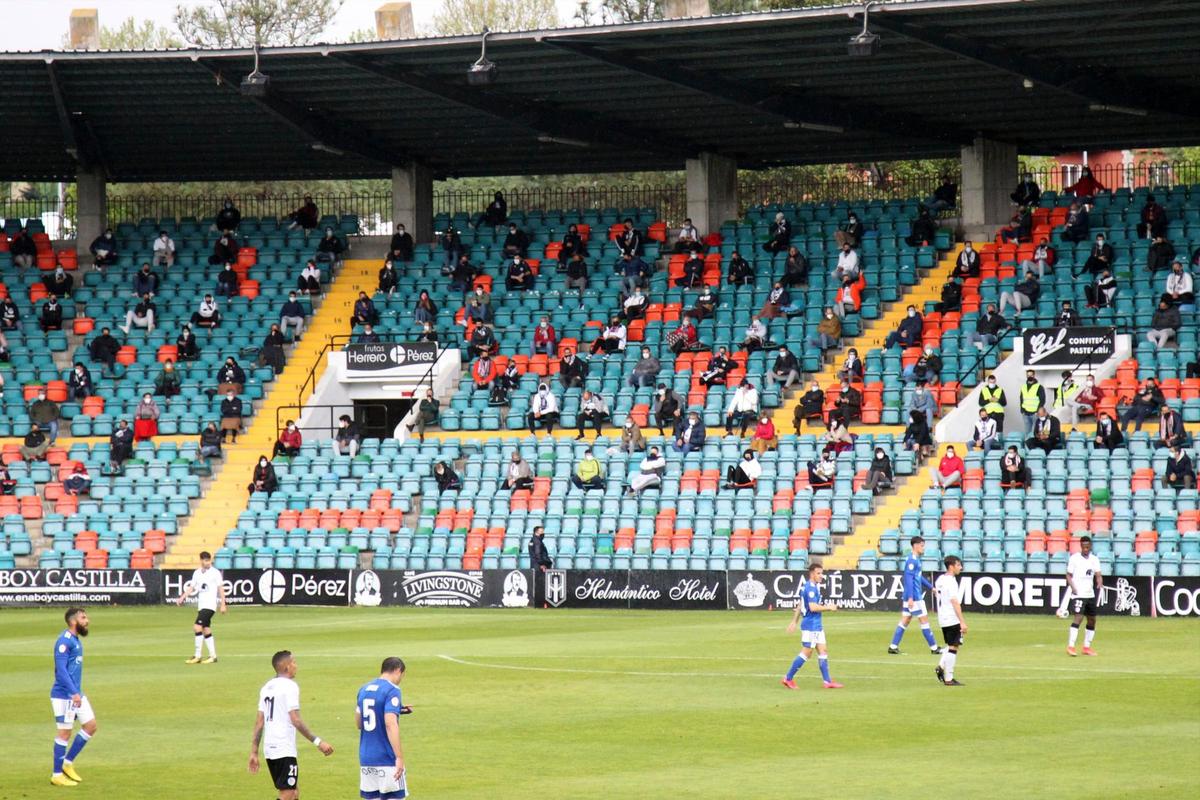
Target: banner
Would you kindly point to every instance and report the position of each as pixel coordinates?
(389, 359)
(1067, 347)
(443, 588)
(864, 590)
(292, 587)
(635, 589)
(19, 587)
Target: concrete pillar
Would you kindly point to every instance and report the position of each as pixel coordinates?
(84, 32)
(395, 21)
(711, 191)
(412, 200)
(989, 172)
(678, 9)
(91, 207)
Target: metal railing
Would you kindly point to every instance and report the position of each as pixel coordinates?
(1150, 174)
(360, 414)
(669, 198)
(863, 186)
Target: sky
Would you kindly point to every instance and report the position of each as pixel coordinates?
(41, 24)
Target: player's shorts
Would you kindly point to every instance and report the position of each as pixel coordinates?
(285, 772)
(812, 638)
(65, 713)
(917, 610)
(952, 635)
(379, 783)
(204, 617)
(1084, 605)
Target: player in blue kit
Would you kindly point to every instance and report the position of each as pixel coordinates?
(68, 700)
(913, 602)
(812, 629)
(377, 715)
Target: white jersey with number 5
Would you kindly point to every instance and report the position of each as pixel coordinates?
(279, 696)
(947, 590)
(206, 583)
(1083, 571)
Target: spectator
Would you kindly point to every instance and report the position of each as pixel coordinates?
(572, 245)
(389, 280)
(447, 479)
(850, 232)
(229, 218)
(1014, 473)
(848, 402)
(634, 306)
(592, 409)
(951, 297)
(718, 368)
(463, 275)
(5, 355)
(452, 248)
(765, 437)
(786, 369)
(306, 216)
(58, 282)
(848, 299)
(633, 272)
(650, 472)
(426, 310)
(1102, 290)
(543, 410)
(823, 471)
(922, 400)
(667, 408)
(743, 408)
(164, 250)
(520, 277)
(1180, 472)
(231, 416)
(1170, 429)
(645, 371)
(401, 246)
(993, 400)
(967, 263)
(364, 312)
(210, 442)
(756, 337)
(689, 434)
(231, 377)
(1024, 295)
(1108, 435)
(1047, 432)
(986, 436)
(1100, 259)
(780, 236)
(429, 410)
(51, 318)
(1145, 405)
(35, 444)
(1064, 396)
(1027, 193)
(271, 353)
(145, 282)
(852, 367)
(368, 335)
(104, 249)
(1164, 325)
(1067, 316)
(1033, 399)
(632, 440)
(688, 240)
(743, 475)
(684, 337)
(949, 471)
(588, 473)
(167, 384)
(988, 328)
(292, 315)
(706, 303)
(207, 315)
(539, 558)
(1077, 227)
(104, 348)
(496, 213)
(289, 441)
(916, 433)
(879, 475)
(330, 248)
(848, 265)
(943, 197)
(263, 479)
(227, 282)
(779, 303)
(477, 312)
(309, 281)
(693, 272)
(46, 414)
(837, 434)
(572, 371)
(1087, 400)
(1044, 257)
(225, 251)
(811, 406)
(483, 341)
(518, 476)
(346, 439)
(1153, 223)
(10, 315)
(629, 240)
(1087, 187)
(1020, 227)
(23, 249)
(120, 445)
(501, 386)
(141, 315)
(516, 242)
(79, 382)
(577, 276)
(1179, 287)
(829, 332)
(145, 419)
(924, 229)
(741, 271)
(927, 368)
(908, 333)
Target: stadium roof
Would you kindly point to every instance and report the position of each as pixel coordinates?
(767, 89)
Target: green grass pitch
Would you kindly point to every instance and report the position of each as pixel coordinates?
(619, 704)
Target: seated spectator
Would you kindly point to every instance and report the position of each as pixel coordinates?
(1160, 255)
(811, 406)
(426, 310)
(1153, 222)
(926, 369)
(744, 474)
(879, 475)
(786, 369)
(593, 410)
(1077, 227)
(629, 240)
(1146, 404)
(986, 435)
(429, 411)
(743, 408)
(34, 445)
(633, 272)
(848, 265)
(51, 318)
(944, 197)
(330, 248)
(765, 437)
(852, 367)
(46, 414)
(518, 475)
(543, 410)
(850, 232)
(988, 328)
(688, 240)
(741, 271)
(634, 306)
(225, 250)
(780, 235)
(145, 419)
(463, 275)
(949, 471)
(545, 339)
(632, 440)
(210, 441)
(706, 303)
(168, 383)
(779, 303)
(309, 281)
(650, 473)
(1100, 259)
(829, 332)
(1179, 473)
(145, 282)
(693, 272)
(23, 249)
(368, 335)
(79, 382)
(1027, 192)
(231, 377)
(227, 282)
(572, 371)
(79, 481)
(58, 282)
(164, 250)
(229, 218)
(1067, 395)
(346, 439)
(452, 248)
(1179, 286)
(365, 312)
(1014, 473)
(588, 473)
(967, 263)
(718, 369)
(10, 315)
(1024, 295)
(1108, 435)
(1043, 259)
(263, 479)
(572, 245)
(271, 352)
(924, 229)
(922, 400)
(483, 341)
(477, 313)
(306, 216)
(667, 408)
(389, 279)
(849, 402)
(496, 213)
(8, 484)
(684, 337)
(1164, 325)
(207, 315)
(577, 276)
(689, 434)
(848, 299)
(292, 315)
(516, 242)
(837, 434)
(231, 416)
(1047, 432)
(1170, 429)
(1102, 290)
(823, 471)
(917, 435)
(1019, 228)
(951, 300)
(908, 333)
(104, 348)
(447, 479)
(141, 315)
(104, 249)
(520, 277)
(120, 444)
(756, 337)
(645, 371)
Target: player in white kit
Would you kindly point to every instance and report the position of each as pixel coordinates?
(950, 617)
(1083, 578)
(208, 585)
(276, 725)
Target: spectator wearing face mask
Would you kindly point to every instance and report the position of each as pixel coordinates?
(572, 370)
(756, 336)
(848, 298)
(823, 471)
(693, 272)
(765, 437)
(1087, 400)
(1164, 325)
(168, 383)
(368, 335)
(1145, 405)
(572, 245)
(850, 232)
(164, 250)
(612, 339)
(849, 402)
(683, 338)
(951, 301)
(1108, 434)
(145, 282)
(228, 218)
(917, 435)
(926, 369)
(741, 271)
(58, 282)
(1087, 187)
(1019, 228)
(306, 216)
(346, 439)
(880, 475)
(829, 332)
(210, 441)
(1043, 259)
(593, 410)
(34, 445)
(837, 434)
(1027, 193)
(1179, 288)
(1024, 295)
(633, 271)
(309, 281)
(516, 242)
(689, 434)
(743, 408)
(1180, 472)
(650, 473)
(780, 235)
(23, 249)
(706, 303)
(79, 382)
(645, 371)
(634, 306)
(231, 377)
(426, 310)
(271, 353)
(1078, 226)
(46, 414)
(543, 410)
(225, 250)
(10, 315)
(908, 333)
(545, 339)
(428, 412)
(744, 474)
(577, 276)
(967, 264)
(463, 275)
(365, 312)
(389, 279)
(1014, 473)
(231, 416)
(330, 248)
(227, 282)
(51, 318)
(1047, 432)
(1064, 397)
(588, 473)
(520, 277)
(718, 369)
(924, 229)
(632, 440)
(1160, 255)
(518, 475)
(145, 419)
(949, 471)
(207, 315)
(104, 249)
(993, 401)
(1100, 259)
(142, 315)
(120, 445)
(401, 245)
(263, 479)
(104, 348)
(786, 369)
(848, 265)
(852, 367)
(289, 441)
(985, 436)
(482, 341)
(1101, 291)
(447, 479)
(292, 315)
(476, 312)
(810, 407)
(667, 408)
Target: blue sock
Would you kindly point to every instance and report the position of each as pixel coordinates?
(60, 752)
(925, 629)
(81, 740)
(797, 663)
(898, 635)
(823, 663)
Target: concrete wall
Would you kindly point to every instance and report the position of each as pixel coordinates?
(412, 200)
(989, 173)
(712, 195)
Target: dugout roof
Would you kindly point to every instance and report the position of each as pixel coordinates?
(767, 89)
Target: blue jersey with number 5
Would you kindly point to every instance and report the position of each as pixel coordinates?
(376, 700)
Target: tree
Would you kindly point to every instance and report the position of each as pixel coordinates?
(615, 11)
(458, 17)
(129, 35)
(244, 23)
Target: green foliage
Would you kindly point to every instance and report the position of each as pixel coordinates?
(242, 23)
(614, 11)
(130, 35)
(461, 17)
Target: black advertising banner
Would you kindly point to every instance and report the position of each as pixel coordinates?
(285, 587)
(634, 589)
(126, 587)
(383, 359)
(864, 590)
(1067, 347)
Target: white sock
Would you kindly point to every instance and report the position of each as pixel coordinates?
(199, 644)
(211, 643)
(950, 659)
(942, 660)
(1088, 635)
(1072, 636)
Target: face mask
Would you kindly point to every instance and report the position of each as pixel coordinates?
(992, 384)
(262, 463)
(879, 456)
(828, 315)
(912, 313)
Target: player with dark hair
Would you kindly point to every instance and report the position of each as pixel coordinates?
(68, 700)
(276, 724)
(208, 585)
(1084, 581)
(950, 617)
(812, 629)
(377, 715)
(913, 602)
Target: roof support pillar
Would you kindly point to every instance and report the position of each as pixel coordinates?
(989, 170)
(712, 195)
(412, 200)
(91, 206)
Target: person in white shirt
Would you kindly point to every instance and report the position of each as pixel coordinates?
(950, 617)
(847, 264)
(275, 727)
(208, 586)
(743, 408)
(1084, 581)
(208, 314)
(745, 473)
(543, 410)
(612, 339)
(985, 434)
(650, 472)
(164, 250)
(688, 239)
(1179, 289)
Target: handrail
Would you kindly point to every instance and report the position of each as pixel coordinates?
(280, 416)
(978, 360)
(1088, 356)
(339, 341)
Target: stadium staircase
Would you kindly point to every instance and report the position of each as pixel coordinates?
(225, 499)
